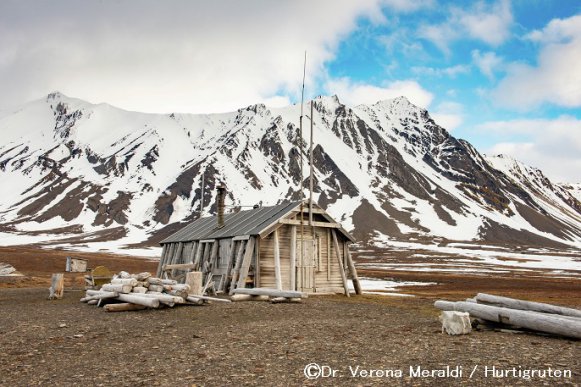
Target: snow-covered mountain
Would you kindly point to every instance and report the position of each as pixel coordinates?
(81, 173)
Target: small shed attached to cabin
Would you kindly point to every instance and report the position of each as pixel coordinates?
(266, 247)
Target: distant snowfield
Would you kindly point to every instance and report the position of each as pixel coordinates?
(477, 259)
(385, 287)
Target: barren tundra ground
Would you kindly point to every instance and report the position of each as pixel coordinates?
(66, 342)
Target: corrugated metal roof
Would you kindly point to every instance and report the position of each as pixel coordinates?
(249, 222)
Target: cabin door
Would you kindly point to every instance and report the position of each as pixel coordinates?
(306, 265)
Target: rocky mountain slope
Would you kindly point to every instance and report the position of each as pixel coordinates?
(74, 172)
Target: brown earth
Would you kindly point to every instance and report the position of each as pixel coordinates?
(65, 342)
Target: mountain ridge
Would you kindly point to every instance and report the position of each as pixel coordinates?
(387, 171)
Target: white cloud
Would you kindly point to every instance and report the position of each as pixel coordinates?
(172, 56)
(557, 76)
(489, 23)
(448, 114)
(451, 71)
(486, 62)
(554, 146)
(354, 93)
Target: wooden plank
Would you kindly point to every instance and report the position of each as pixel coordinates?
(271, 292)
(274, 225)
(213, 256)
(199, 252)
(246, 263)
(179, 266)
(353, 271)
(139, 299)
(195, 299)
(328, 255)
(341, 269)
(316, 224)
(161, 259)
(293, 258)
(229, 263)
(277, 277)
(543, 322)
(526, 305)
(192, 256)
(236, 270)
(178, 257)
(208, 241)
(241, 238)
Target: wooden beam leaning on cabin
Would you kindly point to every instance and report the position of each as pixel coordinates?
(199, 252)
(224, 282)
(277, 276)
(293, 258)
(246, 263)
(236, 270)
(340, 261)
(353, 271)
(177, 257)
(162, 260)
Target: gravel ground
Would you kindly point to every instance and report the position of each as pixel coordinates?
(65, 342)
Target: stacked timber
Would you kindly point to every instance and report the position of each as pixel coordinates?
(515, 313)
(128, 292)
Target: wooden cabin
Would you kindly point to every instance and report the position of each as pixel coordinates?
(266, 247)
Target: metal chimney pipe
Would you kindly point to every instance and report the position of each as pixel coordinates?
(220, 197)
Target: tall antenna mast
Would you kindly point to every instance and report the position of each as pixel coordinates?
(311, 170)
(301, 196)
(202, 194)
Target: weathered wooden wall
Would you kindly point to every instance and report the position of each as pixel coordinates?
(327, 277)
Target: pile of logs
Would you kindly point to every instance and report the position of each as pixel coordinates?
(517, 314)
(128, 292)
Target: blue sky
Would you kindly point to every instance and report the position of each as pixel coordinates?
(503, 74)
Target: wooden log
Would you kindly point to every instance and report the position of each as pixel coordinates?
(354, 277)
(246, 262)
(281, 300)
(271, 292)
(248, 297)
(139, 299)
(123, 307)
(156, 288)
(277, 277)
(195, 299)
(194, 279)
(166, 299)
(143, 276)
(57, 286)
(513, 303)
(340, 261)
(237, 266)
(124, 281)
(293, 259)
(117, 288)
(519, 318)
(139, 289)
(92, 302)
(99, 296)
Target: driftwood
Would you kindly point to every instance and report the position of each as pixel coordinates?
(139, 299)
(99, 296)
(57, 286)
(512, 303)
(271, 292)
(119, 288)
(123, 307)
(542, 322)
(195, 299)
(279, 300)
(124, 281)
(248, 297)
(92, 302)
(194, 279)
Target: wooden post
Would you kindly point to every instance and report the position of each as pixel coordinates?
(213, 256)
(177, 257)
(194, 279)
(246, 262)
(193, 252)
(236, 270)
(340, 261)
(354, 277)
(231, 254)
(277, 276)
(293, 258)
(57, 286)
